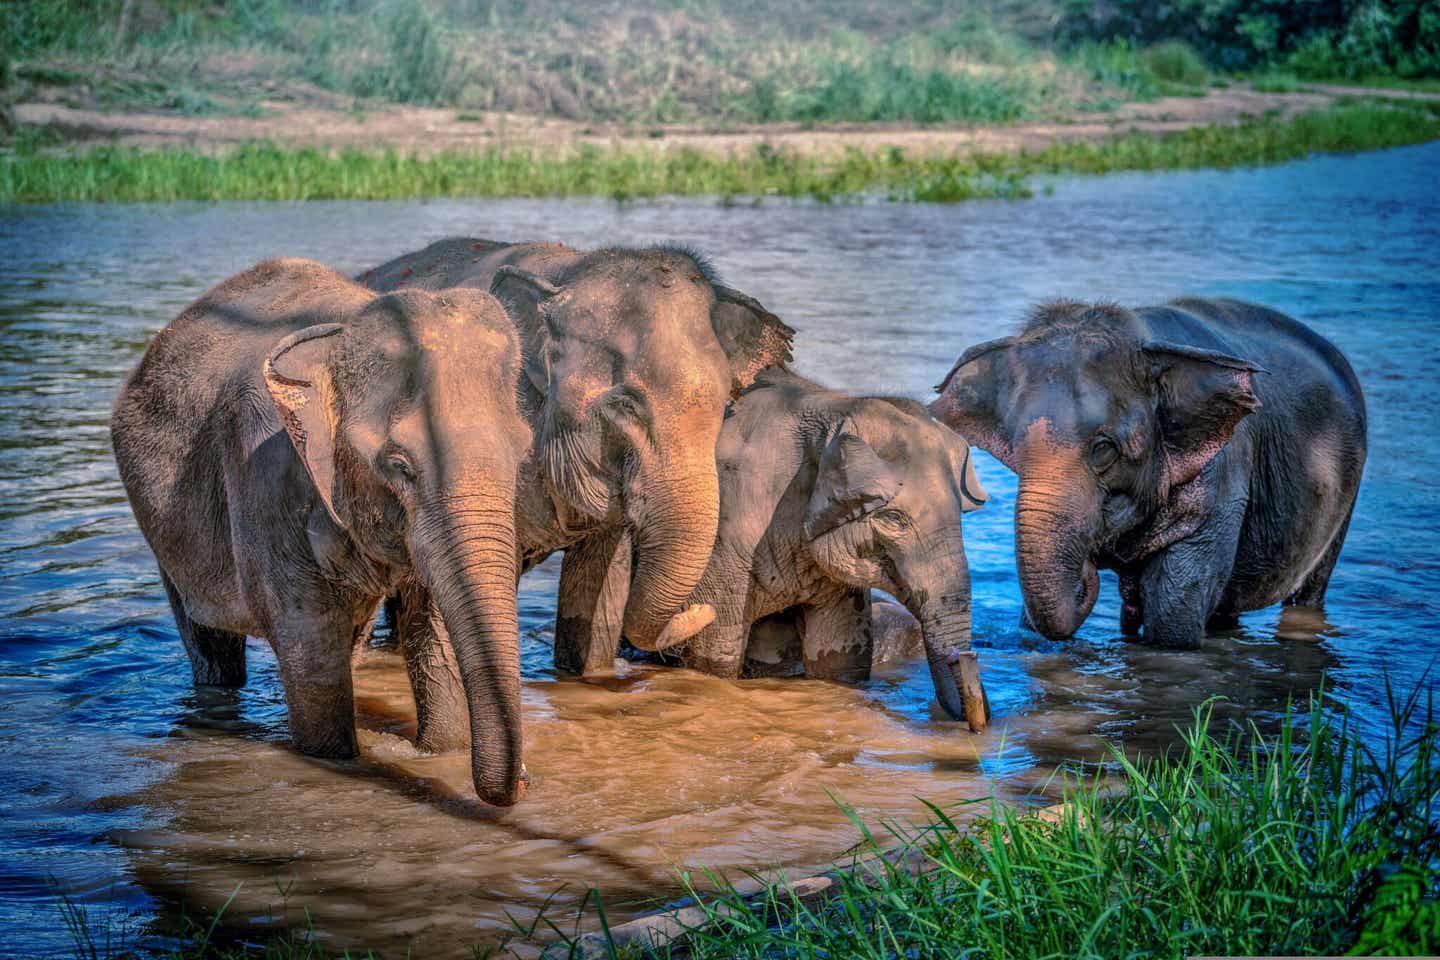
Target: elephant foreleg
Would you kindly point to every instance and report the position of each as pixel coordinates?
(719, 648)
(590, 606)
(313, 652)
(1181, 586)
(837, 638)
(442, 713)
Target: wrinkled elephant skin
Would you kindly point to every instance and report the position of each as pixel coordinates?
(1210, 451)
(296, 447)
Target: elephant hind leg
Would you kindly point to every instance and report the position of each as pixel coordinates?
(217, 657)
(1311, 592)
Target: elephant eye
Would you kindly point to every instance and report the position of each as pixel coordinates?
(622, 404)
(1103, 454)
(892, 522)
(400, 467)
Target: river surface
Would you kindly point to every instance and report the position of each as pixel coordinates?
(140, 798)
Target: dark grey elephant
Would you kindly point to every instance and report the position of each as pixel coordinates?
(295, 447)
(633, 356)
(822, 497)
(1210, 451)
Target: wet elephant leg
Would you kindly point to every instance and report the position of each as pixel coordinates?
(590, 606)
(442, 712)
(719, 649)
(1181, 586)
(313, 651)
(1311, 592)
(217, 657)
(837, 637)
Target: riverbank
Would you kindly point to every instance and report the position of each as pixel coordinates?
(1307, 842)
(752, 165)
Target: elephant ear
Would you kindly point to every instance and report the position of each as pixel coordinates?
(525, 295)
(297, 374)
(1203, 395)
(969, 401)
(753, 338)
(972, 495)
(851, 482)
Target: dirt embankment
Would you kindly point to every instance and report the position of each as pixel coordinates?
(418, 129)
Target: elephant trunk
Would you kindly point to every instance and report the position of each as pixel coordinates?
(468, 562)
(673, 522)
(944, 617)
(1058, 579)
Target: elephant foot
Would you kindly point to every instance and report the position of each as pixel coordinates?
(685, 625)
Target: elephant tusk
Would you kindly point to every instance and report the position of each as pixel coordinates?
(685, 625)
(965, 668)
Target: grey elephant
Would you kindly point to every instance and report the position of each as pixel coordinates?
(822, 497)
(1210, 451)
(295, 447)
(634, 355)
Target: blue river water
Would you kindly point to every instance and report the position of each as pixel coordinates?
(136, 797)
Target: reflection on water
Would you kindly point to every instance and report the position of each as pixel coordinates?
(136, 793)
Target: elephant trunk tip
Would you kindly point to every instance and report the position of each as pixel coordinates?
(1059, 619)
(505, 793)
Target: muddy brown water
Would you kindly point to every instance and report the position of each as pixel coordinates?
(138, 797)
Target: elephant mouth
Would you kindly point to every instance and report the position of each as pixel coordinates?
(1086, 591)
(575, 467)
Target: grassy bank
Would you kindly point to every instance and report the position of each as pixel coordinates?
(268, 172)
(1304, 844)
(1312, 841)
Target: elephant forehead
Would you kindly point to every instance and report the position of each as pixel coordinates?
(1072, 402)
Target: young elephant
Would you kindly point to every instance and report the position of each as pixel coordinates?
(1210, 451)
(822, 497)
(295, 447)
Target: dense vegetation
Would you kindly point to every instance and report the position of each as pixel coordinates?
(1317, 39)
(709, 61)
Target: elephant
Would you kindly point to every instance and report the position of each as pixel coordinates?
(295, 447)
(822, 497)
(1208, 450)
(633, 355)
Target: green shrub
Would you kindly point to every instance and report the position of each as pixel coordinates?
(1177, 62)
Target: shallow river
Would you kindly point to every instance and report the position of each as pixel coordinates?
(135, 795)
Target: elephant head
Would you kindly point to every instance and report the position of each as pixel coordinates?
(406, 420)
(1106, 425)
(890, 487)
(637, 353)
